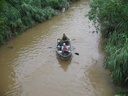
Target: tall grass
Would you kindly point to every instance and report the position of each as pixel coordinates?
(117, 57)
(112, 16)
(2, 4)
(18, 15)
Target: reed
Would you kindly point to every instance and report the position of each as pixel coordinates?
(117, 58)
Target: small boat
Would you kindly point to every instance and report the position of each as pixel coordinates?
(64, 55)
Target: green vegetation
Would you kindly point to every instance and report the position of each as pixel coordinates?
(18, 15)
(2, 2)
(112, 16)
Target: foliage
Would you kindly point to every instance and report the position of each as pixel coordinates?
(54, 4)
(18, 15)
(112, 16)
(2, 3)
(122, 91)
(117, 57)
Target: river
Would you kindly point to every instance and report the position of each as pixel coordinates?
(29, 66)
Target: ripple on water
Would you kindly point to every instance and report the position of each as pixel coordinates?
(31, 68)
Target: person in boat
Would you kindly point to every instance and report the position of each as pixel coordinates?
(64, 48)
(59, 44)
(64, 37)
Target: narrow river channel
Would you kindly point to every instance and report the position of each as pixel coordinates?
(29, 66)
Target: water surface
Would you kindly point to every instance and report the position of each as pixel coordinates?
(29, 66)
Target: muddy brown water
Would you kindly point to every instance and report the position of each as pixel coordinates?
(29, 66)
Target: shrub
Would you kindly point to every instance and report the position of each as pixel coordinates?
(112, 16)
(18, 15)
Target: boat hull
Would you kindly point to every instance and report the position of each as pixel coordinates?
(64, 55)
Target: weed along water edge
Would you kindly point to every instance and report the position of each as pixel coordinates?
(30, 68)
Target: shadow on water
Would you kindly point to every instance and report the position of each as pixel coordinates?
(64, 64)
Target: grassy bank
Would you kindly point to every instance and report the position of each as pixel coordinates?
(112, 17)
(18, 15)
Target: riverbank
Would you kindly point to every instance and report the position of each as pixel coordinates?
(17, 16)
(112, 17)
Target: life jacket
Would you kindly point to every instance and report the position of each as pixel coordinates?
(64, 48)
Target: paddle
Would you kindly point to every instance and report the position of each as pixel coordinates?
(77, 53)
(49, 47)
(74, 53)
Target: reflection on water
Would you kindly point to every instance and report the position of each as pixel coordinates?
(64, 63)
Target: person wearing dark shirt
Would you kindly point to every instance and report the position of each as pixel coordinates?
(64, 37)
